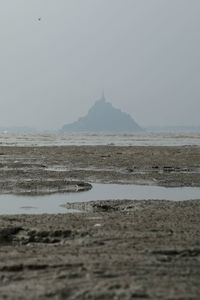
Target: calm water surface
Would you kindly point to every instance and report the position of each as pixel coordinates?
(11, 204)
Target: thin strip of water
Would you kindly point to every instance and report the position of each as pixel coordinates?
(51, 204)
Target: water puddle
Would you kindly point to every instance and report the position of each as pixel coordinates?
(12, 204)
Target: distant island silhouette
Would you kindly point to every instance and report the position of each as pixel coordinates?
(102, 116)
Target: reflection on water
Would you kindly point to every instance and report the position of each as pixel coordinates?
(11, 204)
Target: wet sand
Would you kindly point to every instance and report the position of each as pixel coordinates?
(114, 249)
(164, 166)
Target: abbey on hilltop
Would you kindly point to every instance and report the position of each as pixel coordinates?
(102, 116)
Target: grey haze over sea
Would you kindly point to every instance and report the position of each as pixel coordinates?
(116, 139)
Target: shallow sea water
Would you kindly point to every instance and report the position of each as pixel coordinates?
(12, 204)
(117, 139)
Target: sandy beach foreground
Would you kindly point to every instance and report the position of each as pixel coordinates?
(112, 250)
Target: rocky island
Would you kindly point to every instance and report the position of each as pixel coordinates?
(102, 117)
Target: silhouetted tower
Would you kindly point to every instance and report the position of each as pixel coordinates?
(103, 96)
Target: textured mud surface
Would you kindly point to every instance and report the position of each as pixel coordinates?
(116, 249)
(166, 166)
(120, 250)
(42, 186)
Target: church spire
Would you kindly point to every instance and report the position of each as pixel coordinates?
(103, 96)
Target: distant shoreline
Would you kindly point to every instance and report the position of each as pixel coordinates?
(39, 139)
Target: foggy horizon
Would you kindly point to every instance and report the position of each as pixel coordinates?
(58, 56)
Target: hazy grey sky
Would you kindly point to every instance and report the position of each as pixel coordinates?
(145, 54)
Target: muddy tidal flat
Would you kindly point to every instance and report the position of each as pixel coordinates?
(127, 249)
